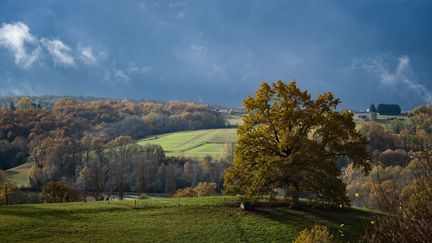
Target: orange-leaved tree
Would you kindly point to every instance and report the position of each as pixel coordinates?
(290, 141)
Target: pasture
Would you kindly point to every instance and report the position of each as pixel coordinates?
(195, 144)
(205, 219)
(234, 120)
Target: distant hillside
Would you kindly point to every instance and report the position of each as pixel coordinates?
(45, 101)
(26, 121)
(19, 175)
(195, 144)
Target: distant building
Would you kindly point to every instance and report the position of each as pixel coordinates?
(222, 111)
(232, 110)
(365, 116)
(237, 110)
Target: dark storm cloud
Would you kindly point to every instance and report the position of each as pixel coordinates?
(218, 51)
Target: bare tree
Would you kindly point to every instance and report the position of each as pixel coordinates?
(121, 150)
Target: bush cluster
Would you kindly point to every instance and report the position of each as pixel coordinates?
(201, 190)
(59, 191)
(316, 234)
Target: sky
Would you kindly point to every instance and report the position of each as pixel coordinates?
(218, 52)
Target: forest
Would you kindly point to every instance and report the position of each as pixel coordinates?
(400, 179)
(92, 144)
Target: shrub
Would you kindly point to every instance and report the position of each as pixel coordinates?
(412, 222)
(201, 190)
(205, 189)
(185, 192)
(59, 191)
(143, 196)
(318, 233)
(394, 157)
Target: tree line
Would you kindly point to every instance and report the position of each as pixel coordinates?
(102, 168)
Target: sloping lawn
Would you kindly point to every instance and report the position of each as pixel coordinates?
(209, 219)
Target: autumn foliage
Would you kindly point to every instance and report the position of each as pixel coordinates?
(201, 190)
(59, 191)
(289, 140)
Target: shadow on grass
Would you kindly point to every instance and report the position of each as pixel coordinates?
(43, 212)
(280, 211)
(347, 224)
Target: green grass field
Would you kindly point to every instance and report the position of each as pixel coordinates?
(195, 144)
(207, 219)
(19, 175)
(234, 120)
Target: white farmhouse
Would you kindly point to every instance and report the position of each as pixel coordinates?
(365, 116)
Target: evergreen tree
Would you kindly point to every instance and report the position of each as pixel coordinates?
(12, 106)
(389, 109)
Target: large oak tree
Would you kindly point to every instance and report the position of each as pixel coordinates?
(290, 141)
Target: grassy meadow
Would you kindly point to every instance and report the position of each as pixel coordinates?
(234, 120)
(195, 144)
(209, 219)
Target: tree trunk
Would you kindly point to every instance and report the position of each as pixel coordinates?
(285, 192)
(245, 205)
(6, 194)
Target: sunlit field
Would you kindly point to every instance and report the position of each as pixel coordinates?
(195, 144)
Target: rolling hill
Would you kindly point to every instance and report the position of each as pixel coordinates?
(195, 144)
